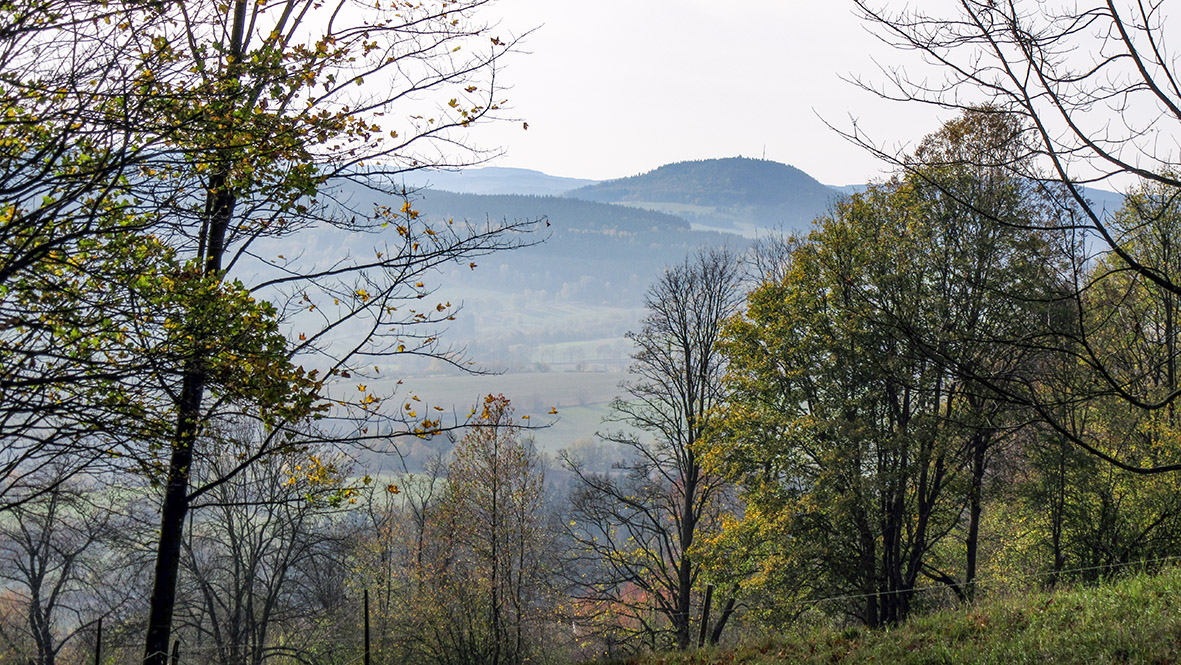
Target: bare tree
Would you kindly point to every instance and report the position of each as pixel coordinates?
(634, 529)
(250, 589)
(59, 555)
(397, 546)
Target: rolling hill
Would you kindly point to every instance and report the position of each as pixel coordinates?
(495, 180)
(736, 194)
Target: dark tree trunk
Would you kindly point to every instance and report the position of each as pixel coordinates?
(172, 518)
(979, 447)
(219, 211)
(685, 570)
(188, 423)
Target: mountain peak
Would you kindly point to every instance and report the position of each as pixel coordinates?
(728, 193)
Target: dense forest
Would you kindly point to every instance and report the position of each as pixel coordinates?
(960, 382)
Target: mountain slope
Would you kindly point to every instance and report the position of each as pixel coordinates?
(594, 252)
(495, 180)
(736, 194)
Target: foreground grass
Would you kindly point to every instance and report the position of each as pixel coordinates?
(1134, 620)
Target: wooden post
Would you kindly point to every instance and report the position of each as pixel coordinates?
(366, 626)
(709, 597)
(176, 652)
(98, 643)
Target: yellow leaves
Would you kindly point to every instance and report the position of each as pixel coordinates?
(401, 348)
(471, 266)
(361, 387)
(453, 103)
(525, 126)
(553, 410)
(392, 489)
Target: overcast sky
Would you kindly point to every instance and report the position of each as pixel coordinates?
(616, 87)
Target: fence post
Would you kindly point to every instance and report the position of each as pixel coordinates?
(366, 626)
(709, 597)
(176, 651)
(98, 643)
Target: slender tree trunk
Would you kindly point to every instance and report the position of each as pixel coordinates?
(219, 210)
(1057, 512)
(172, 518)
(975, 508)
(176, 493)
(727, 612)
(685, 570)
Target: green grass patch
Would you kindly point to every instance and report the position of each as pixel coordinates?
(1134, 620)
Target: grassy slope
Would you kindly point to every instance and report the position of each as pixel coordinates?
(1137, 620)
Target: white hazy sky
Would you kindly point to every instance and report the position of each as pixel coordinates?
(611, 88)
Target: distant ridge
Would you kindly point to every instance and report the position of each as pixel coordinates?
(736, 193)
(495, 180)
(733, 195)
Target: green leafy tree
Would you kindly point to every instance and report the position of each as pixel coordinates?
(71, 245)
(201, 138)
(858, 420)
(1090, 102)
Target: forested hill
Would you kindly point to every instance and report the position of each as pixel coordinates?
(611, 252)
(572, 213)
(495, 180)
(736, 193)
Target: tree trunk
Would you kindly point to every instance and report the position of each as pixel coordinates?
(219, 210)
(975, 507)
(176, 493)
(172, 519)
(716, 635)
(685, 569)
